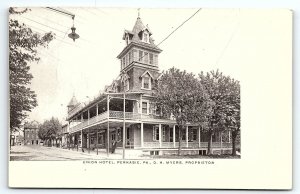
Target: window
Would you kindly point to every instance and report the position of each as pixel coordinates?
(155, 60)
(140, 55)
(127, 134)
(93, 140)
(164, 133)
(183, 135)
(100, 139)
(194, 134)
(134, 55)
(119, 133)
(146, 37)
(151, 58)
(113, 136)
(155, 133)
(144, 107)
(129, 57)
(146, 82)
(146, 59)
(127, 40)
(171, 135)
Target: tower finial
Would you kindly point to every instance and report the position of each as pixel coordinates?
(138, 12)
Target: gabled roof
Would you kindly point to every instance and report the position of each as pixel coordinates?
(73, 101)
(147, 72)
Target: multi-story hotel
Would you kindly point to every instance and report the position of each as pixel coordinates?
(99, 123)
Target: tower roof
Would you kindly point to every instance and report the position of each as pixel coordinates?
(135, 36)
(73, 101)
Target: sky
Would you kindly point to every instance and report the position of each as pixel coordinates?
(212, 39)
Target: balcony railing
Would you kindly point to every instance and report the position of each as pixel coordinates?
(88, 122)
(128, 115)
(113, 115)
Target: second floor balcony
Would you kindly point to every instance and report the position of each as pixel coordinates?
(115, 116)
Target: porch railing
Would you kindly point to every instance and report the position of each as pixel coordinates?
(188, 145)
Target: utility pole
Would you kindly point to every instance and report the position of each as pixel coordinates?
(124, 130)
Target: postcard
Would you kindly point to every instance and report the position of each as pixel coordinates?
(150, 98)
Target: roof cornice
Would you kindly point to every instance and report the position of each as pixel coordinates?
(141, 45)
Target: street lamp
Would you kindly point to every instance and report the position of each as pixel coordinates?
(73, 34)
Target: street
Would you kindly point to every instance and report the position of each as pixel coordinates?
(42, 153)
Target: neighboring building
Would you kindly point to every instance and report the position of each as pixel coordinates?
(63, 136)
(99, 122)
(31, 133)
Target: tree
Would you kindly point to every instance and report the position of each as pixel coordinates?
(181, 95)
(50, 129)
(233, 113)
(222, 91)
(23, 45)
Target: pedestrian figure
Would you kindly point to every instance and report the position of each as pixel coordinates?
(114, 145)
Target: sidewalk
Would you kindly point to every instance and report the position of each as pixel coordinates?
(42, 153)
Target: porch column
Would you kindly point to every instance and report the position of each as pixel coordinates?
(160, 135)
(76, 137)
(97, 138)
(88, 116)
(199, 136)
(82, 117)
(229, 136)
(174, 136)
(124, 125)
(89, 142)
(187, 136)
(221, 143)
(108, 126)
(142, 134)
(81, 138)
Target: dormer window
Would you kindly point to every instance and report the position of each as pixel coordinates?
(146, 81)
(146, 37)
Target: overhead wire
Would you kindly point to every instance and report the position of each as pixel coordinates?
(173, 31)
(42, 24)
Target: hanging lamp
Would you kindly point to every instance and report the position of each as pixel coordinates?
(73, 34)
